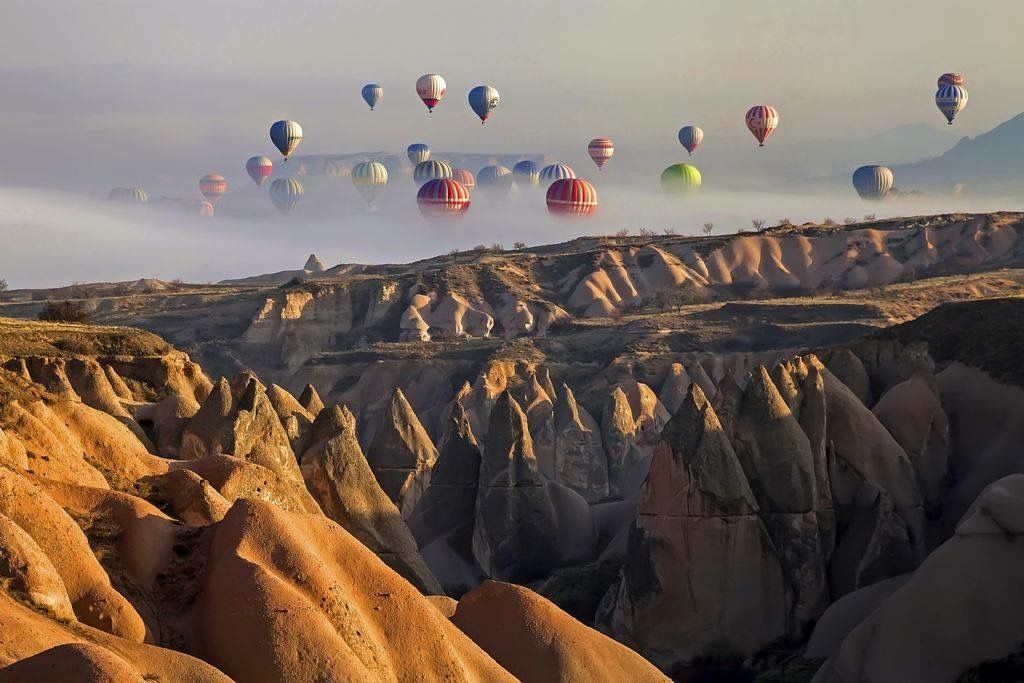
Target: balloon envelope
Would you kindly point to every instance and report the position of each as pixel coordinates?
(372, 94)
(285, 193)
(443, 197)
(464, 176)
(951, 99)
(690, 137)
(495, 180)
(526, 173)
(431, 169)
(952, 79)
(600, 151)
(680, 179)
(286, 136)
(572, 197)
(213, 186)
(259, 169)
(417, 153)
(554, 172)
(483, 99)
(370, 177)
(762, 121)
(431, 88)
(872, 182)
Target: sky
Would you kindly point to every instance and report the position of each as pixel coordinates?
(137, 92)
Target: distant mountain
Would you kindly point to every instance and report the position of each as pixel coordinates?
(989, 164)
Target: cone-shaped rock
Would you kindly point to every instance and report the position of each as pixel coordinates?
(310, 400)
(401, 453)
(580, 460)
(673, 390)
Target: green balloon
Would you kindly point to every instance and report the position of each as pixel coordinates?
(680, 179)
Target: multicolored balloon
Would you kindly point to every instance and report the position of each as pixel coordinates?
(526, 173)
(431, 169)
(213, 186)
(600, 151)
(286, 136)
(680, 179)
(417, 153)
(872, 182)
(554, 172)
(259, 169)
(443, 197)
(370, 177)
(572, 197)
(495, 180)
(762, 121)
(483, 99)
(466, 177)
(690, 138)
(371, 94)
(285, 194)
(128, 195)
(951, 99)
(952, 79)
(431, 88)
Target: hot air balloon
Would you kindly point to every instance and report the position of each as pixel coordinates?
(128, 195)
(554, 172)
(418, 153)
(495, 180)
(680, 179)
(526, 173)
(213, 186)
(690, 137)
(205, 209)
(372, 94)
(431, 88)
(950, 99)
(872, 182)
(259, 169)
(483, 99)
(952, 79)
(601, 150)
(443, 197)
(370, 177)
(285, 193)
(431, 169)
(286, 136)
(762, 120)
(572, 197)
(466, 177)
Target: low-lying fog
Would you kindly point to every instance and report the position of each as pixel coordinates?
(53, 239)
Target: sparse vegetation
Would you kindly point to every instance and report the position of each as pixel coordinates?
(622, 233)
(849, 220)
(669, 232)
(785, 223)
(497, 246)
(758, 224)
(708, 227)
(868, 217)
(3, 285)
(647, 232)
(479, 247)
(829, 222)
(453, 252)
(519, 245)
(65, 312)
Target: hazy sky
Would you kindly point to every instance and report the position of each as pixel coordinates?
(143, 92)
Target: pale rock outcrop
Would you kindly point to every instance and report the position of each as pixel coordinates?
(515, 533)
(53, 453)
(962, 606)
(536, 641)
(27, 572)
(117, 383)
(314, 264)
(295, 419)
(849, 370)
(674, 388)
(701, 569)
(167, 420)
(192, 499)
(620, 434)
(338, 476)
(580, 461)
(310, 400)
(309, 602)
(401, 454)
(296, 323)
(443, 519)
(234, 478)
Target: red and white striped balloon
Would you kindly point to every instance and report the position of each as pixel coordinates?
(762, 120)
(443, 197)
(431, 88)
(259, 169)
(601, 150)
(572, 197)
(213, 186)
(464, 176)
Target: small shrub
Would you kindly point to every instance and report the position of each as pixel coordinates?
(622, 233)
(868, 217)
(758, 224)
(669, 232)
(479, 247)
(829, 222)
(708, 227)
(3, 285)
(647, 232)
(65, 312)
(453, 252)
(497, 246)
(519, 245)
(849, 220)
(785, 222)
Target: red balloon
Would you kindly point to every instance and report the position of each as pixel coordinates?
(572, 197)
(443, 197)
(464, 176)
(762, 120)
(213, 186)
